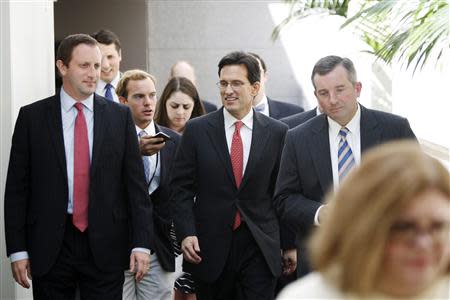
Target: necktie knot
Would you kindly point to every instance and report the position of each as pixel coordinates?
(343, 132)
(237, 126)
(108, 92)
(142, 133)
(79, 106)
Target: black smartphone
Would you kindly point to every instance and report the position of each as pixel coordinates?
(162, 135)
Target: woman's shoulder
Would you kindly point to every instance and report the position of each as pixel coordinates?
(312, 286)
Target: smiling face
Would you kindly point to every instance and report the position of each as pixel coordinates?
(238, 100)
(141, 98)
(111, 59)
(80, 76)
(179, 108)
(337, 96)
(418, 250)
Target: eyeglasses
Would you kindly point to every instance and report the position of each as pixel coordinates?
(235, 85)
(406, 231)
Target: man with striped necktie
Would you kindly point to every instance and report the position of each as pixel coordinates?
(319, 153)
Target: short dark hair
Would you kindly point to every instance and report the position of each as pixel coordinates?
(67, 45)
(243, 58)
(328, 63)
(263, 64)
(107, 37)
(178, 84)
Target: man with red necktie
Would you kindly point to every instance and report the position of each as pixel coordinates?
(75, 194)
(223, 182)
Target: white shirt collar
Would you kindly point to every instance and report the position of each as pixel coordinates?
(150, 129)
(230, 119)
(67, 102)
(352, 126)
(101, 84)
(263, 102)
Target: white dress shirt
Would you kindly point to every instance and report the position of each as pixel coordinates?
(354, 141)
(101, 87)
(246, 133)
(265, 104)
(155, 160)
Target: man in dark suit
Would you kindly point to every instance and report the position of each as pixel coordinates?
(269, 107)
(75, 193)
(319, 152)
(137, 89)
(300, 118)
(223, 181)
(184, 69)
(111, 50)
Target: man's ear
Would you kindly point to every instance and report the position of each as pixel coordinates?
(62, 68)
(123, 100)
(255, 88)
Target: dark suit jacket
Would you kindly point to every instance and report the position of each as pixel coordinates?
(202, 169)
(163, 210)
(209, 107)
(278, 109)
(36, 195)
(306, 172)
(300, 118)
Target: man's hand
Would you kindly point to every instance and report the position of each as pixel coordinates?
(190, 248)
(22, 272)
(139, 263)
(149, 145)
(289, 261)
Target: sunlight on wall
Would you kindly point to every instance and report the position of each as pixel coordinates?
(424, 99)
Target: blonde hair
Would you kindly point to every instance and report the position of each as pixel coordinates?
(134, 75)
(353, 237)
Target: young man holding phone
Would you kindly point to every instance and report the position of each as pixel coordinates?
(158, 144)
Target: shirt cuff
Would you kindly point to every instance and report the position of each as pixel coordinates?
(18, 256)
(144, 250)
(316, 216)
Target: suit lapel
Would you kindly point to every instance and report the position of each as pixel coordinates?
(54, 121)
(260, 136)
(99, 130)
(163, 157)
(370, 131)
(320, 151)
(216, 133)
(274, 112)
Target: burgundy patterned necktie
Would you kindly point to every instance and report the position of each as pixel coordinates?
(81, 164)
(237, 161)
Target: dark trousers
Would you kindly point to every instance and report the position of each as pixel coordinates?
(75, 268)
(246, 274)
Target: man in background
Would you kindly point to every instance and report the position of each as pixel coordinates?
(137, 90)
(110, 70)
(184, 69)
(267, 106)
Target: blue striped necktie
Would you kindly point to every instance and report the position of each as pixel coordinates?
(145, 160)
(346, 160)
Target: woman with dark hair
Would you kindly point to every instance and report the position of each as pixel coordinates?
(178, 104)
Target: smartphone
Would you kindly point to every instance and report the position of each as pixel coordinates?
(162, 135)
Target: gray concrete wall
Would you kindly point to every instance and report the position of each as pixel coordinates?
(128, 19)
(202, 32)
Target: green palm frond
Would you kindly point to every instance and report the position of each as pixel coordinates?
(304, 8)
(410, 32)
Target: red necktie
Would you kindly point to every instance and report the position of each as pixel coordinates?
(80, 171)
(237, 159)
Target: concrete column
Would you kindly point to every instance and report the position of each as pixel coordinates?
(26, 75)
